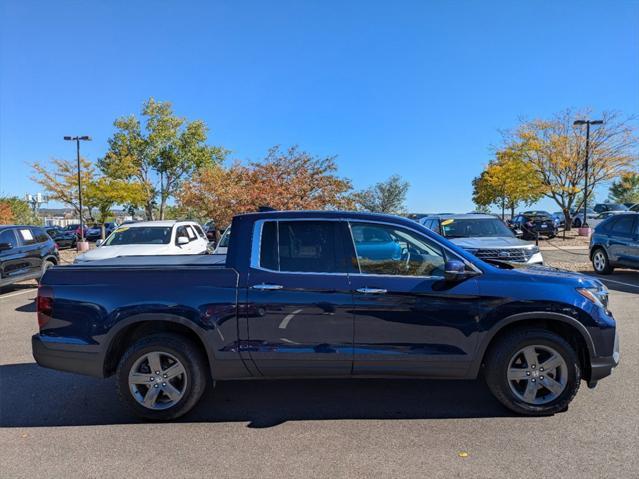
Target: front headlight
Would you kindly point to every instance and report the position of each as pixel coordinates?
(597, 296)
(534, 250)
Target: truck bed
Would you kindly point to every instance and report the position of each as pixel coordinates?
(160, 260)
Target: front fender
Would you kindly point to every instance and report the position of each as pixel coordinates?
(488, 336)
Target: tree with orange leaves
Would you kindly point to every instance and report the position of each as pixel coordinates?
(284, 180)
(6, 213)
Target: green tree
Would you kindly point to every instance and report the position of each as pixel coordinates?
(159, 153)
(507, 182)
(104, 193)
(385, 197)
(59, 179)
(625, 189)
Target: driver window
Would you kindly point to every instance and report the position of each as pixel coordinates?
(389, 250)
(181, 231)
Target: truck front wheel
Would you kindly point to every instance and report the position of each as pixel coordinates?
(162, 376)
(533, 372)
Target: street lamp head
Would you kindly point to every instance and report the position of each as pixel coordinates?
(596, 122)
(68, 138)
(85, 138)
(579, 122)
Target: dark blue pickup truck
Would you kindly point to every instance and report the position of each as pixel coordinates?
(325, 294)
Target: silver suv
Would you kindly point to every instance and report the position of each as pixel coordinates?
(485, 236)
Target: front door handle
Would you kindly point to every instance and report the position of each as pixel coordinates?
(372, 291)
(267, 287)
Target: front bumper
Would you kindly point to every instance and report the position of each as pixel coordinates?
(600, 367)
(67, 355)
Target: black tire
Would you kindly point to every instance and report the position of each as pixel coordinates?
(498, 361)
(191, 357)
(45, 266)
(601, 262)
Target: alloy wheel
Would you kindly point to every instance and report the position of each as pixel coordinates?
(537, 374)
(157, 380)
(599, 260)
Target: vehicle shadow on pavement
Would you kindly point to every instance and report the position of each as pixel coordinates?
(27, 308)
(33, 396)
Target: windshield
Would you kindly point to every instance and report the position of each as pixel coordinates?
(139, 235)
(615, 207)
(475, 228)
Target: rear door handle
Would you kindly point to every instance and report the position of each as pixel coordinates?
(267, 287)
(372, 291)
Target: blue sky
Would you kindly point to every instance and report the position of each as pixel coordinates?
(415, 88)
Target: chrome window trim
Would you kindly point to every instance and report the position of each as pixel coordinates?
(256, 245)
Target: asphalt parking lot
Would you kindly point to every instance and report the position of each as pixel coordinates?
(54, 424)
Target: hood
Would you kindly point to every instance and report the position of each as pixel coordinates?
(494, 242)
(104, 252)
(547, 274)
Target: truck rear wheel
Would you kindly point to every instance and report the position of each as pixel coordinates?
(533, 372)
(162, 376)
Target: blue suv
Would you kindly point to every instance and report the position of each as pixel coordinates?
(615, 242)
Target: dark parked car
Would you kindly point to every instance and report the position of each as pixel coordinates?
(26, 252)
(615, 242)
(62, 237)
(325, 294)
(603, 207)
(95, 231)
(534, 223)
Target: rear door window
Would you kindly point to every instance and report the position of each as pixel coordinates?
(199, 231)
(39, 235)
(26, 235)
(623, 226)
(303, 246)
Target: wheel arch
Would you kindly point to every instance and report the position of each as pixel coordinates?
(134, 328)
(51, 258)
(568, 328)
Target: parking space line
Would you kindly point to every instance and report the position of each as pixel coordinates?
(617, 282)
(16, 293)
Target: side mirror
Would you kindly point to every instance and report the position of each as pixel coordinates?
(182, 240)
(455, 270)
(99, 242)
(518, 233)
(5, 246)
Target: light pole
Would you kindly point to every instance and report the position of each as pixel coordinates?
(77, 140)
(587, 123)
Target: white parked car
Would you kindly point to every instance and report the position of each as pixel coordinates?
(150, 238)
(223, 245)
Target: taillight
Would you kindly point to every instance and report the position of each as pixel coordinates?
(44, 305)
